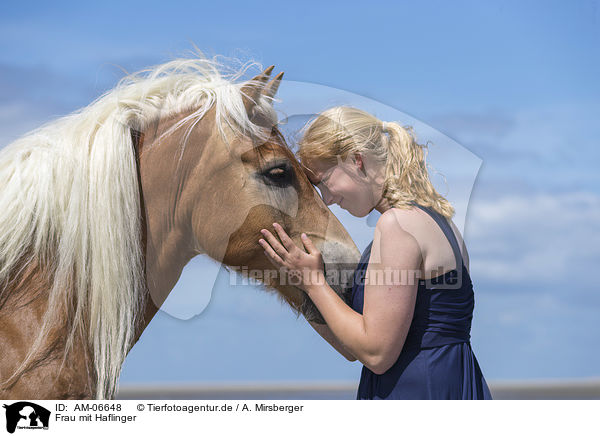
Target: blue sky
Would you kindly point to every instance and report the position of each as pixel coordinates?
(514, 83)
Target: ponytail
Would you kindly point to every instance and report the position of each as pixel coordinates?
(406, 176)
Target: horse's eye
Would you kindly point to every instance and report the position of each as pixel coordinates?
(280, 175)
(276, 173)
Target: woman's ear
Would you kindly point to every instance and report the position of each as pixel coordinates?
(360, 163)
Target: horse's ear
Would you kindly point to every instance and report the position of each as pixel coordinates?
(137, 138)
(272, 87)
(252, 91)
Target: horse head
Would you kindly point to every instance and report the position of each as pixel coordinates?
(210, 186)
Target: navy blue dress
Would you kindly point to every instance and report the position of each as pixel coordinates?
(436, 361)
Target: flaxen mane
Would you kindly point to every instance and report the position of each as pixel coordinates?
(69, 196)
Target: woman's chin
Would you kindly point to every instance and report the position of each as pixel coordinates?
(356, 213)
(353, 211)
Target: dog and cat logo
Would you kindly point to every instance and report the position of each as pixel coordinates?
(26, 415)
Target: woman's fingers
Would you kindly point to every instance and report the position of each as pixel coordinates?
(310, 247)
(274, 242)
(271, 255)
(288, 243)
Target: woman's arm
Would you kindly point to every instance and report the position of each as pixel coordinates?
(328, 335)
(376, 337)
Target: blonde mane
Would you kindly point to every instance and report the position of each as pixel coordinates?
(69, 197)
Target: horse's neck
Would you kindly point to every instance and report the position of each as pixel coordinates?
(169, 198)
(163, 268)
(165, 239)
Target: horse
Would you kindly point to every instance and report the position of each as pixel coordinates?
(100, 211)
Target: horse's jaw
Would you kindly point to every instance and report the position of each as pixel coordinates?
(312, 313)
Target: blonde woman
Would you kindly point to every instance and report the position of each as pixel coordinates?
(412, 298)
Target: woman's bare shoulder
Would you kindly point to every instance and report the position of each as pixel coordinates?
(410, 220)
(395, 226)
(428, 234)
(403, 217)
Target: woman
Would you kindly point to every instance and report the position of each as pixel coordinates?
(411, 312)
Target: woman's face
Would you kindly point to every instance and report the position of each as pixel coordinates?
(345, 184)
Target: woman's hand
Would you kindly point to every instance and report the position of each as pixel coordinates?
(303, 269)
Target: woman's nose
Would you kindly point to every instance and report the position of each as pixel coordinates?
(326, 195)
(327, 198)
(331, 200)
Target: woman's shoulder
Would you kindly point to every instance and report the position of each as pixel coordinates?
(426, 232)
(394, 230)
(405, 218)
(397, 221)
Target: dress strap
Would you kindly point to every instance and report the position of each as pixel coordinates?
(445, 226)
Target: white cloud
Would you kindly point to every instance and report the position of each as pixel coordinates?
(544, 146)
(546, 238)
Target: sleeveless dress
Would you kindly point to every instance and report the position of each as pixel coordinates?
(436, 361)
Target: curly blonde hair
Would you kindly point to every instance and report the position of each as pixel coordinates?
(341, 131)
